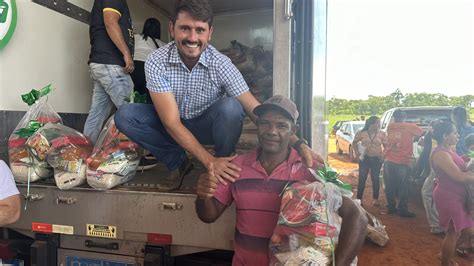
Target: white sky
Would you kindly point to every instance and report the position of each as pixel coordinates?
(377, 46)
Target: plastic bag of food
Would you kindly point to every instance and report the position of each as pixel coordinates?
(40, 113)
(63, 148)
(308, 225)
(114, 160)
(375, 229)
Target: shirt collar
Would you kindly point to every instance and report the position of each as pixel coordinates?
(175, 58)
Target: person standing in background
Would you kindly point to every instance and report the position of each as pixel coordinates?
(461, 121)
(450, 192)
(110, 61)
(372, 140)
(145, 44)
(398, 161)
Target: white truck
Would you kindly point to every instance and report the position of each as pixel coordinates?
(134, 224)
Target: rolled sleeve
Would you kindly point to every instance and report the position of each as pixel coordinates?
(224, 194)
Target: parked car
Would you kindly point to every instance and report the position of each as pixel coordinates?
(336, 126)
(345, 136)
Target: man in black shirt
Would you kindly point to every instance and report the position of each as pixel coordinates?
(110, 61)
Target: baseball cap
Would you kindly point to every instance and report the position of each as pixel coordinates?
(281, 103)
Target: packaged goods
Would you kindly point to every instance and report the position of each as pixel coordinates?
(63, 148)
(308, 225)
(114, 160)
(375, 229)
(24, 165)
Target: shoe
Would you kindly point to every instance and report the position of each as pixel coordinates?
(376, 202)
(175, 178)
(406, 214)
(146, 164)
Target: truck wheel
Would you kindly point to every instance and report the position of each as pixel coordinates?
(352, 156)
(339, 151)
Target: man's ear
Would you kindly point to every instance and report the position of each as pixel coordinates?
(211, 30)
(171, 29)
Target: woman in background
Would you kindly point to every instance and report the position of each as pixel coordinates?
(461, 121)
(450, 193)
(370, 154)
(145, 44)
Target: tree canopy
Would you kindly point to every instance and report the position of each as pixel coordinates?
(378, 104)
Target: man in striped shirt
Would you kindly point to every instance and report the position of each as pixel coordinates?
(256, 193)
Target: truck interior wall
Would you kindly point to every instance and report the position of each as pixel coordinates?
(248, 28)
(49, 47)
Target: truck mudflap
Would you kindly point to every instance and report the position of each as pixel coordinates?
(122, 214)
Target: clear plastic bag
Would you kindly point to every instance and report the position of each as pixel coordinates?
(114, 160)
(21, 163)
(63, 148)
(375, 229)
(308, 225)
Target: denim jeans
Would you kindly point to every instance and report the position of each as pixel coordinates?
(111, 86)
(430, 207)
(374, 164)
(220, 125)
(396, 183)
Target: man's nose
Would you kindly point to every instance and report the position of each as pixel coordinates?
(192, 37)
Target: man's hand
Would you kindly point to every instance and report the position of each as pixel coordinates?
(310, 158)
(206, 186)
(223, 169)
(129, 65)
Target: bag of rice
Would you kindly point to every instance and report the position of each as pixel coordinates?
(40, 112)
(114, 160)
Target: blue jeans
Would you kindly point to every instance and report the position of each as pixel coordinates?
(395, 177)
(111, 86)
(374, 164)
(220, 125)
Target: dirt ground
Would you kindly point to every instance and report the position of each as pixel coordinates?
(411, 242)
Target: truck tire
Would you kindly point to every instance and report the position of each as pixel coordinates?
(339, 151)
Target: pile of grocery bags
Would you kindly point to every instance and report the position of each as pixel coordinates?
(41, 147)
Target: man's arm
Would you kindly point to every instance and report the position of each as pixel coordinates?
(9, 210)
(167, 109)
(111, 21)
(208, 208)
(353, 232)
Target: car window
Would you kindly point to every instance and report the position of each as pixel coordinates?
(357, 127)
(423, 118)
(344, 128)
(386, 119)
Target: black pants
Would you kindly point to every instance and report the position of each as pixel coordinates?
(139, 81)
(374, 164)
